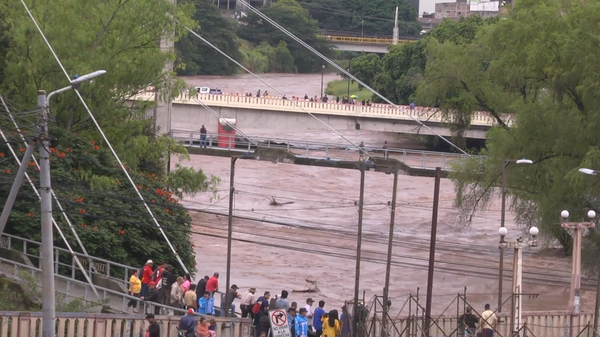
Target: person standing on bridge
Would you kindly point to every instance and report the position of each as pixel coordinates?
(385, 150)
(202, 136)
(361, 151)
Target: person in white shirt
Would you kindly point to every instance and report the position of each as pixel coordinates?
(247, 303)
(488, 322)
(309, 313)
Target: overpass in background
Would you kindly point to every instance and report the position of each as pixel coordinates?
(287, 115)
(356, 43)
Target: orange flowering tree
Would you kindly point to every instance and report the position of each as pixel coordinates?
(99, 200)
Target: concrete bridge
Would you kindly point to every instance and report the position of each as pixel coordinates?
(285, 115)
(377, 45)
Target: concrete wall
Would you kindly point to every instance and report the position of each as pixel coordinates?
(191, 117)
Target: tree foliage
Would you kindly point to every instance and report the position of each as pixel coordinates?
(540, 65)
(295, 19)
(196, 57)
(369, 17)
(90, 35)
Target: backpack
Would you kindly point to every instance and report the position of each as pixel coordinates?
(256, 308)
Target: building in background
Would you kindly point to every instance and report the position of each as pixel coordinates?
(451, 10)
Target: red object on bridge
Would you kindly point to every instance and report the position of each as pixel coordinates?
(227, 132)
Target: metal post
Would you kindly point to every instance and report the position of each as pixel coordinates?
(502, 219)
(434, 218)
(229, 231)
(322, 76)
(14, 190)
(597, 307)
(517, 285)
(48, 299)
(362, 168)
(388, 266)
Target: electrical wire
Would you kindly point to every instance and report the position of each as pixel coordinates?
(54, 223)
(107, 141)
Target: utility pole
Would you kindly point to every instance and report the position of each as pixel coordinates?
(388, 266)
(229, 232)
(434, 218)
(48, 299)
(517, 285)
(395, 31)
(574, 293)
(362, 167)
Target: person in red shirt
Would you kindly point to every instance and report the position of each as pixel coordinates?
(146, 277)
(212, 284)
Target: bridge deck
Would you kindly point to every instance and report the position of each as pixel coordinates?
(417, 160)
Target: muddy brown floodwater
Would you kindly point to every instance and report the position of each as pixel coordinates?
(311, 236)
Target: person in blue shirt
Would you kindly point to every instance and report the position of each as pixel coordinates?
(318, 317)
(293, 321)
(206, 304)
(302, 323)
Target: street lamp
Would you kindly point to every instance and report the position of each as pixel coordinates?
(517, 245)
(597, 306)
(502, 219)
(48, 298)
(322, 75)
(577, 227)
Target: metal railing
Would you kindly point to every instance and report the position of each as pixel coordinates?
(111, 279)
(383, 111)
(103, 325)
(417, 159)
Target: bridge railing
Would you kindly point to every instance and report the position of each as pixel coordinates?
(385, 111)
(111, 279)
(418, 159)
(28, 324)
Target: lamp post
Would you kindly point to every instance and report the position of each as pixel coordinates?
(502, 219)
(597, 306)
(574, 293)
(322, 75)
(388, 266)
(517, 289)
(362, 36)
(348, 95)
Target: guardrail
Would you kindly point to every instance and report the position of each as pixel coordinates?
(427, 160)
(384, 111)
(23, 324)
(111, 279)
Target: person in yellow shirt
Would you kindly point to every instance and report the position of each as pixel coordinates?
(331, 324)
(135, 287)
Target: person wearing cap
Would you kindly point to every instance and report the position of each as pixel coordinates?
(309, 313)
(247, 303)
(231, 295)
(187, 324)
(302, 323)
(292, 321)
(146, 276)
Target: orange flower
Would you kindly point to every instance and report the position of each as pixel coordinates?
(31, 163)
(167, 210)
(1, 154)
(139, 187)
(22, 149)
(154, 175)
(30, 215)
(82, 211)
(69, 150)
(61, 155)
(117, 182)
(74, 170)
(74, 133)
(96, 147)
(80, 199)
(84, 225)
(122, 232)
(153, 200)
(7, 171)
(37, 169)
(92, 142)
(95, 227)
(53, 150)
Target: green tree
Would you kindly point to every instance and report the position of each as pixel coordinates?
(197, 58)
(368, 17)
(540, 65)
(114, 36)
(365, 68)
(297, 21)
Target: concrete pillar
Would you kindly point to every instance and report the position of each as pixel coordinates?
(162, 113)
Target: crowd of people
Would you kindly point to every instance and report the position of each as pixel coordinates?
(162, 285)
